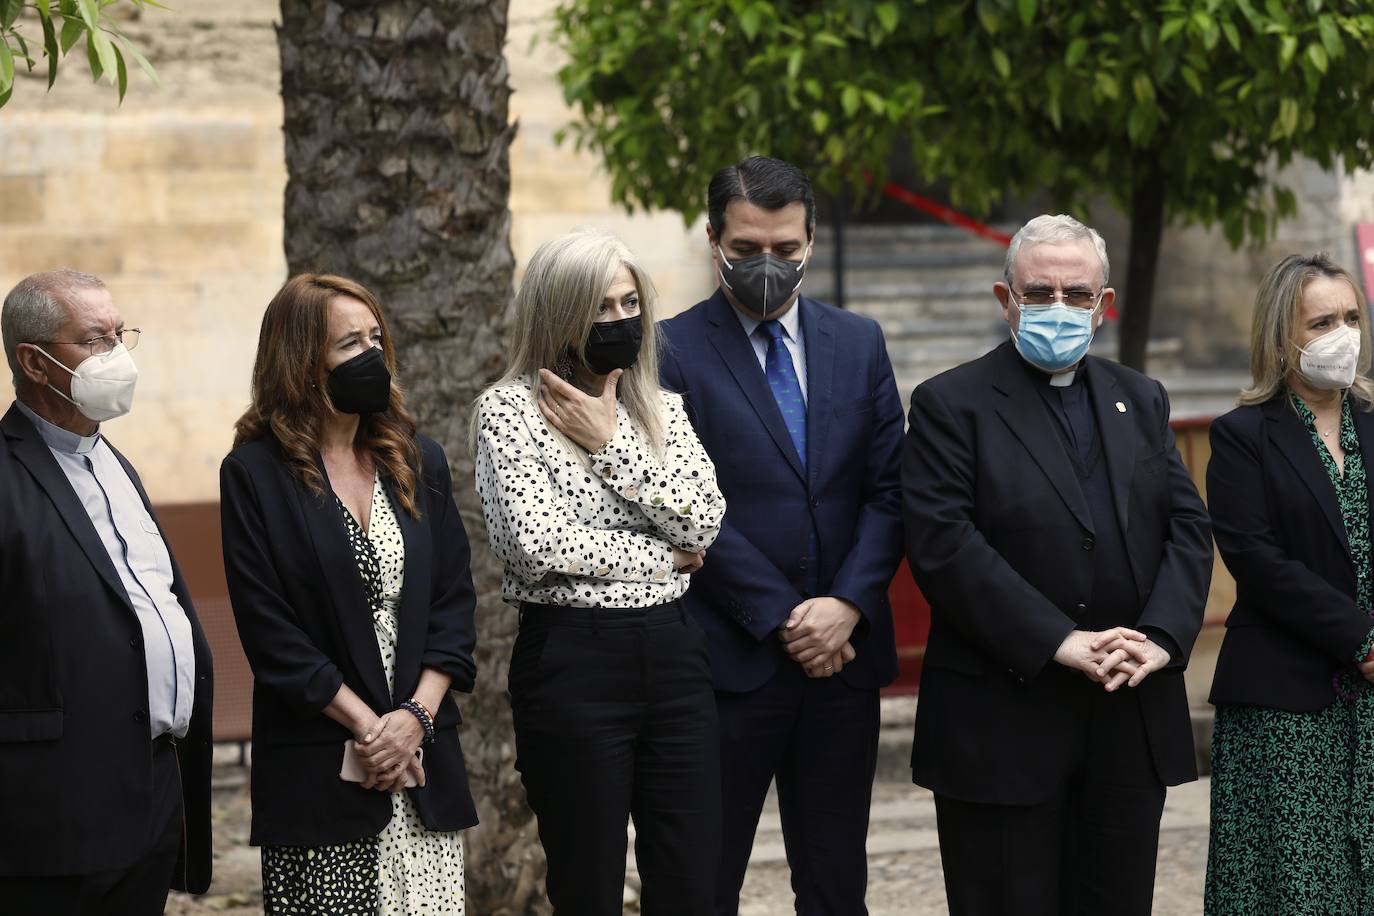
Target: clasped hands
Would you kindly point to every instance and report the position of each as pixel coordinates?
(386, 747)
(1112, 657)
(816, 635)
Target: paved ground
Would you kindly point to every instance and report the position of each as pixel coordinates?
(904, 858)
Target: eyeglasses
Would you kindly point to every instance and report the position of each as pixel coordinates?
(99, 346)
(1041, 297)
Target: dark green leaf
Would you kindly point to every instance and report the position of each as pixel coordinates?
(1001, 62)
(850, 100)
(6, 66)
(1331, 37)
(1108, 85)
(1191, 78)
(1077, 49)
(50, 47)
(105, 50)
(1317, 55)
(1139, 124)
(1026, 8)
(72, 29)
(5, 96)
(888, 16)
(90, 13)
(1171, 28)
(24, 51)
(10, 9)
(990, 15)
(875, 102)
(1288, 46)
(1232, 34)
(93, 58)
(122, 74)
(142, 63)
(794, 64)
(1143, 88)
(826, 38)
(750, 20)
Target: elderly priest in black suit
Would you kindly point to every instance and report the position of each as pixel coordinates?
(1066, 557)
(104, 672)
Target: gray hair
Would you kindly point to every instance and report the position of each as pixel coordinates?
(1060, 228)
(36, 309)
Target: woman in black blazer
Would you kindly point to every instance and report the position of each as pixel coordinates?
(1289, 491)
(348, 569)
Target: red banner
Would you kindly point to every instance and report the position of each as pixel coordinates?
(1364, 248)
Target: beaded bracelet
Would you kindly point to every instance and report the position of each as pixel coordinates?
(417, 709)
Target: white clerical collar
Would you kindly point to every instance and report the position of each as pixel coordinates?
(1063, 379)
(57, 438)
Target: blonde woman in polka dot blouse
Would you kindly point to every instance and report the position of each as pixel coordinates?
(601, 502)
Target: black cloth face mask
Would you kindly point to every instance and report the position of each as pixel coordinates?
(762, 283)
(361, 385)
(614, 344)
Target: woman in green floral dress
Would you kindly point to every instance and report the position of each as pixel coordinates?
(1289, 487)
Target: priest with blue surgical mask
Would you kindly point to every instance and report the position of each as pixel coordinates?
(1066, 556)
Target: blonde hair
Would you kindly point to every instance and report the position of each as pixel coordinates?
(1278, 307)
(555, 308)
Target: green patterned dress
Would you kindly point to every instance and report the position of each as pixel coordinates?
(1293, 793)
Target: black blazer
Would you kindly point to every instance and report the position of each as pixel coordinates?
(75, 754)
(1000, 539)
(848, 489)
(1295, 622)
(303, 618)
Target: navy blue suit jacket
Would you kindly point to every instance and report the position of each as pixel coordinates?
(849, 489)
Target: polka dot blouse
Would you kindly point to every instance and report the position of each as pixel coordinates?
(598, 533)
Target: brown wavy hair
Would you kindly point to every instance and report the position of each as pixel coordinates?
(290, 402)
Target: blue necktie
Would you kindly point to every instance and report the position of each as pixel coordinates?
(782, 379)
(786, 387)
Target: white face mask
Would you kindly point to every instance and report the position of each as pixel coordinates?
(1329, 361)
(102, 386)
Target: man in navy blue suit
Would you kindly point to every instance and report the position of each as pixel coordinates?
(796, 404)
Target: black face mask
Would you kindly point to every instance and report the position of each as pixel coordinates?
(762, 283)
(361, 385)
(614, 344)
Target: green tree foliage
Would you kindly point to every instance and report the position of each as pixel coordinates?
(1175, 110)
(52, 28)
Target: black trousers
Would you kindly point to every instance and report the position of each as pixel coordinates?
(819, 738)
(140, 889)
(615, 718)
(1089, 849)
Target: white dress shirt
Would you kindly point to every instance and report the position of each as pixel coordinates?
(593, 533)
(791, 336)
(135, 547)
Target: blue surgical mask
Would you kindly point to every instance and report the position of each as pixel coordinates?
(1053, 337)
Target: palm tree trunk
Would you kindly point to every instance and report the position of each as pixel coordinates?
(397, 151)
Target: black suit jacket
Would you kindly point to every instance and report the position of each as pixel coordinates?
(75, 753)
(303, 618)
(1000, 539)
(755, 571)
(1278, 525)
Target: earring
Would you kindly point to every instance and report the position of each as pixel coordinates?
(562, 367)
